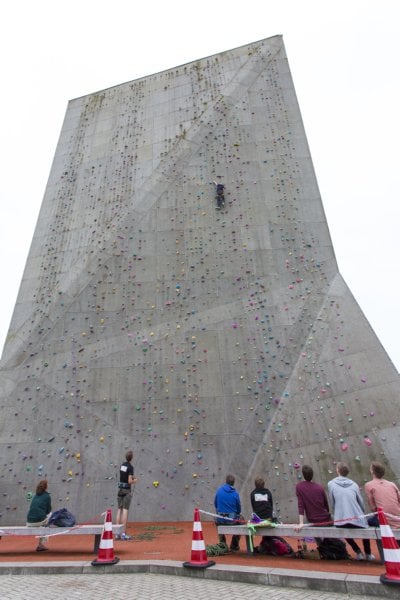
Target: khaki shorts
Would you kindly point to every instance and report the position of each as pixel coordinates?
(124, 499)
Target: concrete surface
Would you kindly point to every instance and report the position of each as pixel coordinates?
(207, 341)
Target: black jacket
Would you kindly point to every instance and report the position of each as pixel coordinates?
(261, 503)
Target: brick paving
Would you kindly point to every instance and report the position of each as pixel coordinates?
(148, 587)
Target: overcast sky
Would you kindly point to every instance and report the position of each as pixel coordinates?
(345, 62)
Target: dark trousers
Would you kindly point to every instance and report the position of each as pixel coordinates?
(234, 541)
(354, 546)
(222, 538)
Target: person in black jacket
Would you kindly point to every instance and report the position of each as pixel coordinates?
(263, 506)
(261, 500)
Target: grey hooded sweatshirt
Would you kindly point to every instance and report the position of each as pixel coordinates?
(346, 502)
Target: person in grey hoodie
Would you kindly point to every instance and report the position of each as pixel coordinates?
(348, 508)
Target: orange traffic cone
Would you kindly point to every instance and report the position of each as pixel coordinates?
(105, 555)
(391, 552)
(199, 555)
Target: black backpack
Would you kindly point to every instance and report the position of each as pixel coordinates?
(333, 549)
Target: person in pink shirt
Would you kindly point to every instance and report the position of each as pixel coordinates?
(383, 494)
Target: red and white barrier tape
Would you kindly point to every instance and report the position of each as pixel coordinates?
(327, 523)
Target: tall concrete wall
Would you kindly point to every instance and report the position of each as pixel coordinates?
(207, 341)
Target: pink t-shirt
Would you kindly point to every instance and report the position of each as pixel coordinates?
(385, 495)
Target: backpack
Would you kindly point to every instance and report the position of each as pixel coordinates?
(62, 518)
(332, 549)
(276, 546)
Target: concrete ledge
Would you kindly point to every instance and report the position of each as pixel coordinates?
(342, 583)
(309, 580)
(370, 586)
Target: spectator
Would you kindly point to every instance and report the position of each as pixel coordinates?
(40, 512)
(227, 504)
(312, 501)
(261, 500)
(262, 506)
(383, 494)
(348, 508)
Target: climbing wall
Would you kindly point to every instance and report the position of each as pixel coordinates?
(206, 341)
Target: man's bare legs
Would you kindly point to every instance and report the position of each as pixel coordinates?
(122, 517)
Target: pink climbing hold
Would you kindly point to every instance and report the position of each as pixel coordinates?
(367, 441)
(344, 447)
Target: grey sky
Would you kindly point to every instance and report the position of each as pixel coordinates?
(344, 57)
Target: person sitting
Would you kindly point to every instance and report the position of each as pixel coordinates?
(40, 512)
(228, 508)
(348, 508)
(262, 506)
(261, 500)
(383, 494)
(312, 501)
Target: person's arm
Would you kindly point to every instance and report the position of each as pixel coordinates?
(239, 506)
(131, 475)
(300, 507)
(360, 499)
(331, 498)
(397, 493)
(326, 503)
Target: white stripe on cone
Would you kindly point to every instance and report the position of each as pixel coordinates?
(198, 545)
(196, 526)
(391, 555)
(386, 531)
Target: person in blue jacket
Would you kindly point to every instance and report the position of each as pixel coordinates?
(227, 504)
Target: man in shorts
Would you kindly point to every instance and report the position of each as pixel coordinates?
(126, 480)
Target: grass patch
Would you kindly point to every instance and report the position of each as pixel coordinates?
(145, 536)
(163, 528)
(150, 532)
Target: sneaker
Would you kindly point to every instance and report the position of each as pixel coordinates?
(117, 536)
(125, 537)
(370, 557)
(41, 549)
(360, 556)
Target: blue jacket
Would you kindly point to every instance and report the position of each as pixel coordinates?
(227, 500)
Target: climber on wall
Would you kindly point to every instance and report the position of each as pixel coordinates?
(220, 197)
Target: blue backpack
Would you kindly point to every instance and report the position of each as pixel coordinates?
(62, 518)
